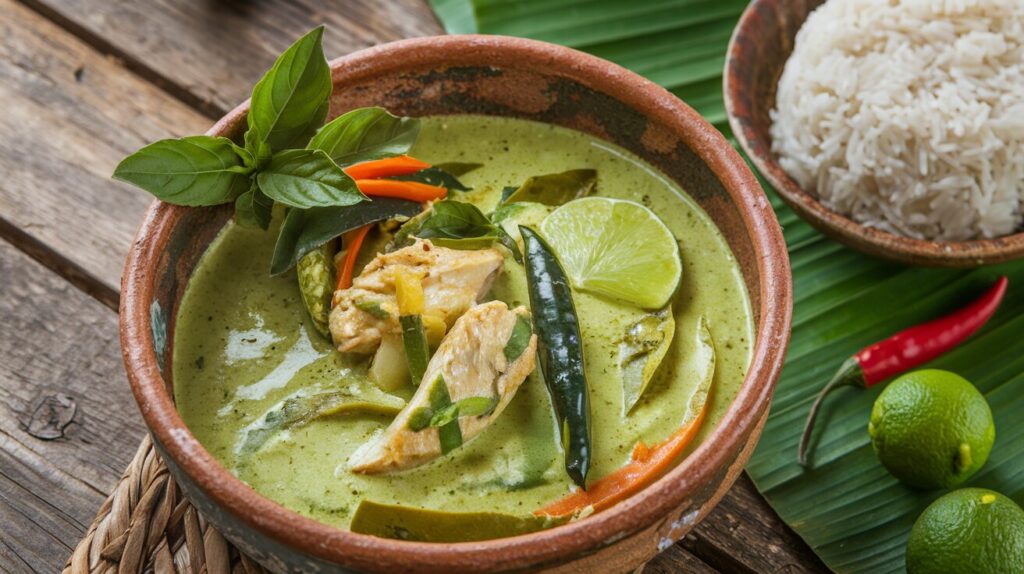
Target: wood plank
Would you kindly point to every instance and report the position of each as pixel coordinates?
(210, 54)
(676, 560)
(56, 343)
(69, 115)
(743, 534)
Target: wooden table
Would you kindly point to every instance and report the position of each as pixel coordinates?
(82, 83)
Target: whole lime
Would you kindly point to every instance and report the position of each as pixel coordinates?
(932, 429)
(968, 531)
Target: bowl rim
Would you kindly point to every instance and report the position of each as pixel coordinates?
(628, 517)
(870, 240)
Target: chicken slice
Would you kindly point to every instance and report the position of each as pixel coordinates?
(471, 362)
(453, 281)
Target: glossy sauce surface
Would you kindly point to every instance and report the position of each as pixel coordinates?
(243, 344)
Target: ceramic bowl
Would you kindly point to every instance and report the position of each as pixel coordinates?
(760, 46)
(502, 77)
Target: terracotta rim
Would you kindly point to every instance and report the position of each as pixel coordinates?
(742, 56)
(643, 509)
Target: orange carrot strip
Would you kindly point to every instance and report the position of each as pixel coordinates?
(412, 190)
(645, 465)
(387, 167)
(353, 241)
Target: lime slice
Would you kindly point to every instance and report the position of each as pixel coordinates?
(615, 248)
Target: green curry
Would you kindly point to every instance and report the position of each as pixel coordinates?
(246, 351)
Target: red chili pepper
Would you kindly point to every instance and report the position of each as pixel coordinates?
(906, 350)
(353, 241)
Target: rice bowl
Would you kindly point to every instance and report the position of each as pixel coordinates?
(909, 118)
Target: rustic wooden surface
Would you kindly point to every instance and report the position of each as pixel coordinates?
(82, 82)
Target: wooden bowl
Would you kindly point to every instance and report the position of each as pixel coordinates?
(503, 77)
(758, 50)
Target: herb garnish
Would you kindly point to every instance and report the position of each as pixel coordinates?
(457, 225)
(287, 158)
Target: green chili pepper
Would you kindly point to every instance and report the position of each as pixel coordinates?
(560, 350)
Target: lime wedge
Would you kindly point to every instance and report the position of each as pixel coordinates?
(615, 248)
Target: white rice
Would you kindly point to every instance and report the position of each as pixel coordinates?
(908, 116)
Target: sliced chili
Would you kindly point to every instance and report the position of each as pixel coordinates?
(412, 190)
(387, 167)
(353, 240)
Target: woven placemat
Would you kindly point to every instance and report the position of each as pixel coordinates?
(147, 525)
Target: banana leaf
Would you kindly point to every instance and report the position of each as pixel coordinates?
(853, 514)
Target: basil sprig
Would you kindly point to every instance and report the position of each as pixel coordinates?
(287, 158)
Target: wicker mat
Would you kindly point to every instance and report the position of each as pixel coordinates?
(147, 525)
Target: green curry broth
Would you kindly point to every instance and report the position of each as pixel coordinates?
(243, 344)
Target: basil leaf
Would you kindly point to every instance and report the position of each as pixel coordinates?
(457, 225)
(304, 230)
(194, 170)
(364, 134)
(434, 176)
(454, 220)
(519, 339)
(290, 101)
(257, 149)
(458, 169)
(307, 178)
(248, 160)
(254, 209)
(554, 188)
